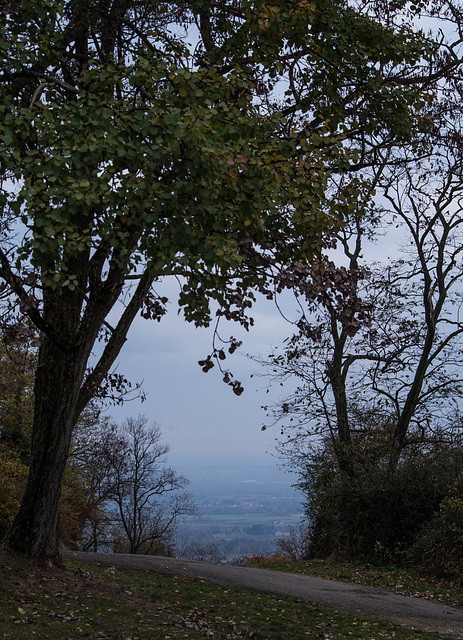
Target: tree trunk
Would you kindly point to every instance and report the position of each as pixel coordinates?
(61, 395)
(35, 531)
(343, 440)
(413, 396)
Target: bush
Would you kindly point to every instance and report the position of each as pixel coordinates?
(377, 514)
(296, 544)
(439, 547)
(13, 474)
(272, 559)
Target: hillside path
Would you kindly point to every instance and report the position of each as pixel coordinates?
(413, 613)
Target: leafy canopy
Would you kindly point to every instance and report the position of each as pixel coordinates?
(124, 145)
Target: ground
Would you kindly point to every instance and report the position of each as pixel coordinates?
(144, 603)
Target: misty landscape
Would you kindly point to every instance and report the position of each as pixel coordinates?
(245, 503)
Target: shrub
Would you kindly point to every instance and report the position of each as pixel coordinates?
(274, 558)
(13, 474)
(297, 543)
(377, 514)
(439, 548)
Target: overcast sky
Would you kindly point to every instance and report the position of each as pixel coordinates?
(198, 412)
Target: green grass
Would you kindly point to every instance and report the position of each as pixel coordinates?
(91, 602)
(406, 581)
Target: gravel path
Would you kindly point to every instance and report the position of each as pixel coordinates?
(413, 613)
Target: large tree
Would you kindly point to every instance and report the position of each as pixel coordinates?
(378, 343)
(373, 425)
(142, 140)
(384, 339)
(377, 351)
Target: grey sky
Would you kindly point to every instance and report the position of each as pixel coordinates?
(198, 412)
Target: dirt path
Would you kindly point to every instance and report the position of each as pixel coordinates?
(413, 613)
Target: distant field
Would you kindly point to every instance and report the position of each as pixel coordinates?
(247, 518)
(236, 495)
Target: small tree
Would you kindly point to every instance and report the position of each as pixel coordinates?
(92, 442)
(139, 497)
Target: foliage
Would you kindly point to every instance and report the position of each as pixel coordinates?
(88, 463)
(75, 500)
(73, 507)
(296, 544)
(13, 475)
(275, 559)
(377, 346)
(439, 547)
(376, 355)
(199, 551)
(129, 155)
(377, 515)
(18, 359)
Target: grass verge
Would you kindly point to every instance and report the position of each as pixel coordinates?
(92, 602)
(405, 581)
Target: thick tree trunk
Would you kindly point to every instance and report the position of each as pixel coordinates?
(60, 396)
(35, 531)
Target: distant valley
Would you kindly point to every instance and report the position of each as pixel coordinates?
(245, 502)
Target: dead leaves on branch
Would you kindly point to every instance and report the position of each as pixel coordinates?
(218, 356)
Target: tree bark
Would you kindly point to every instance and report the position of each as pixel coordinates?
(35, 531)
(343, 440)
